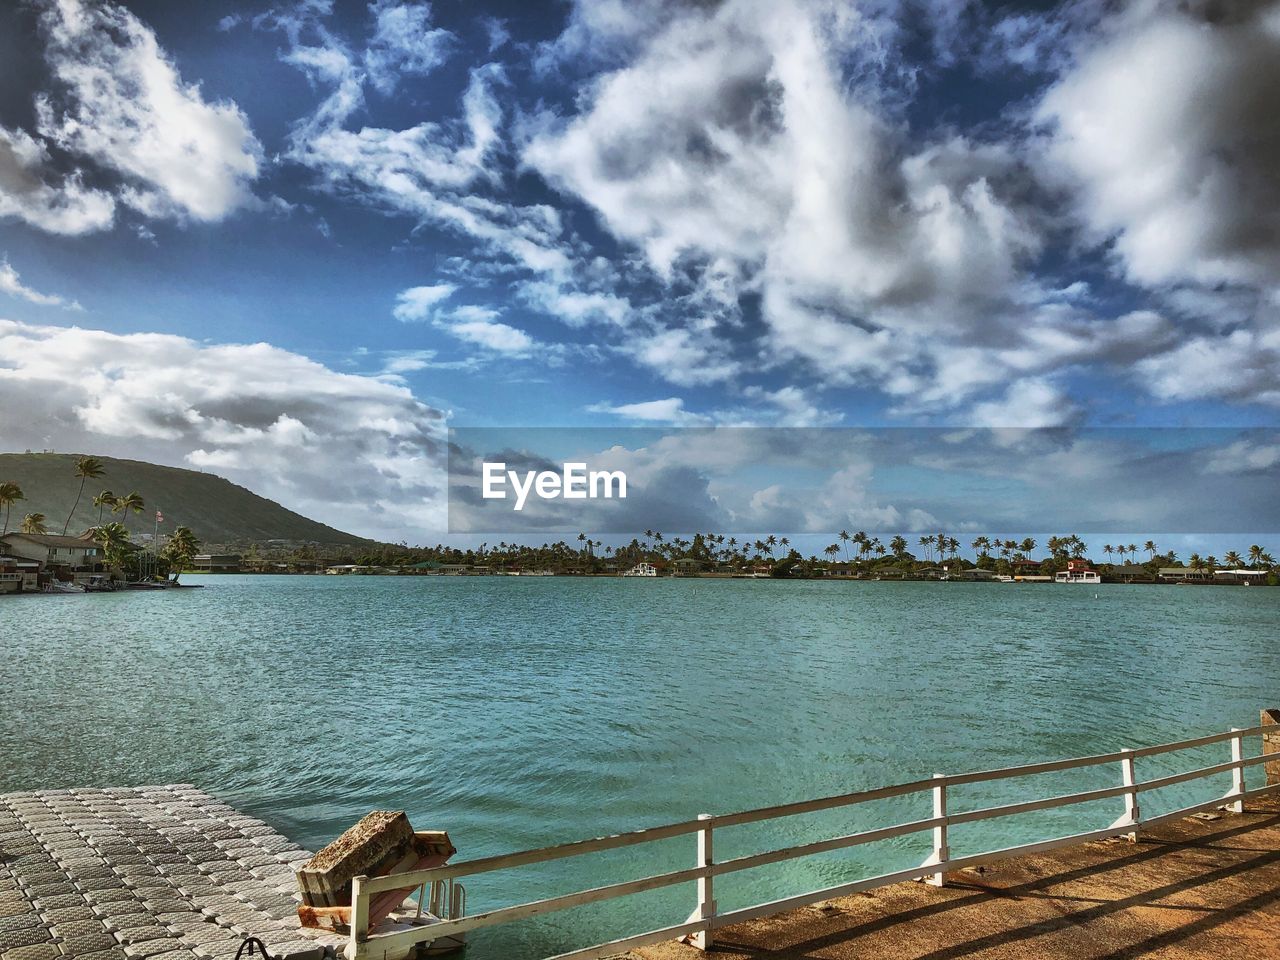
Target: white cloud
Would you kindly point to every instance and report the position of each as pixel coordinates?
(1168, 127)
(119, 102)
(490, 334)
(434, 172)
(670, 410)
(1243, 365)
(467, 322)
(12, 284)
(417, 303)
(359, 453)
(404, 43)
(1027, 403)
(1245, 455)
(729, 144)
(33, 194)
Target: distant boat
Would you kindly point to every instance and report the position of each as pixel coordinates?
(641, 570)
(58, 586)
(1077, 572)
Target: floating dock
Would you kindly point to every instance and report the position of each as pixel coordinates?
(1187, 889)
(165, 872)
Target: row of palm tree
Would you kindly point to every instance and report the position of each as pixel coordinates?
(857, 552)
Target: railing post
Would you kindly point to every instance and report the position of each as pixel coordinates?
(1237, 772)
(941, 848)
(706, 909)
(1132, 813)
(359, 917)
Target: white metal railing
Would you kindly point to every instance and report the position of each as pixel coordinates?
(366, 944)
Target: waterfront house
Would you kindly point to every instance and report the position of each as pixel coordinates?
(216, 563)
(1184, 575)
(65, 557)
(687, 566)
(1240, 575)
(18, 575)
(1128, 573)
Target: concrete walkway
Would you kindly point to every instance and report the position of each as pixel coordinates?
(1194, 888)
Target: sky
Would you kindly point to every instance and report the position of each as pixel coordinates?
(293, 244)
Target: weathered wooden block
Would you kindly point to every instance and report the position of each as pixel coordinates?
(370, 848)
(418, 851)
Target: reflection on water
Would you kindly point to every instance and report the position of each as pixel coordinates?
(517, 712)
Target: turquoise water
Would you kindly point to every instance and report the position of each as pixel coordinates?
(518, 712)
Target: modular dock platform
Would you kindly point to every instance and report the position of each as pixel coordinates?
(165, 872)
(1192, 888)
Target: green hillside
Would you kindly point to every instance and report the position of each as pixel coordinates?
(217, 510)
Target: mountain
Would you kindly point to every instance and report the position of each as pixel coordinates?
(217, 510)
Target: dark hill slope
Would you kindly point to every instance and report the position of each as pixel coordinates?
(217, 510)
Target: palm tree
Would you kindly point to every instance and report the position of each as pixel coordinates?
(844, 539)
(1108, 549)
(1232, 559)
(11, 493)
(927, 543)
(1133, 551)
(1028, 544)
(1150, 547)
(132, 501)
(34, 523)
(105, 499)
(114, 539)
(1255, 555)
(87, 468)
(182, 546)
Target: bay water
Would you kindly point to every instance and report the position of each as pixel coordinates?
(520, 712)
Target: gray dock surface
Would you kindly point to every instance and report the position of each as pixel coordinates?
(167, 872)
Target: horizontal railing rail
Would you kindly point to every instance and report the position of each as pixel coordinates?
(369, 944)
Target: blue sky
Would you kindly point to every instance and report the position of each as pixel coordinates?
(608, 214)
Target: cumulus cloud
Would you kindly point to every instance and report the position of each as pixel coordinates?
(119, 109)
(883, 481)
(34, 194)
(729, 145)
(1168, 129)
(1243, 365)
(119, 102)
(357, 452)
(12, 284)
